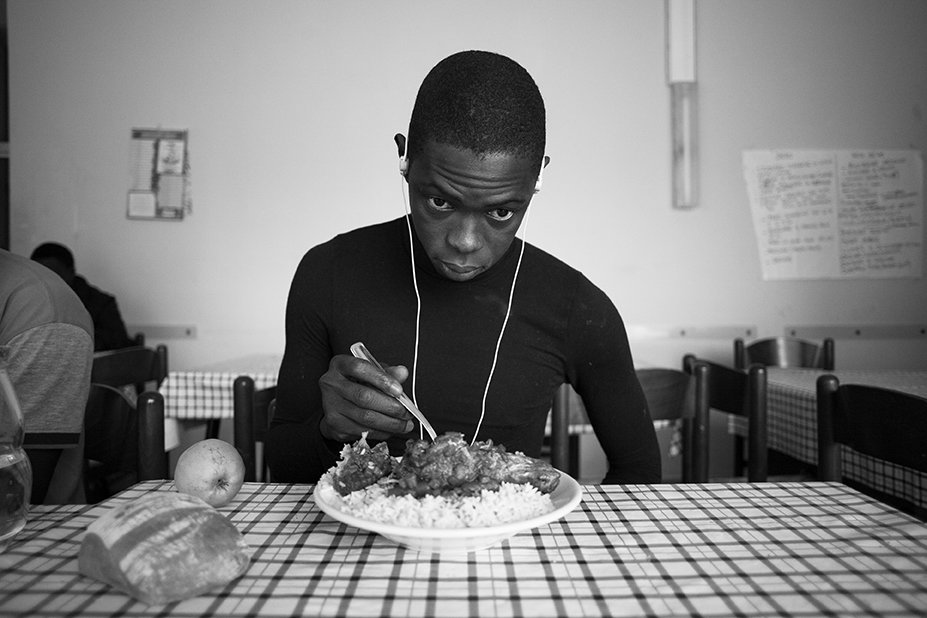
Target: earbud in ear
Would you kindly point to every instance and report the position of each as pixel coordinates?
(404, 160)
(540, 181)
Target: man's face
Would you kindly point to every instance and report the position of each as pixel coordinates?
(466, 209)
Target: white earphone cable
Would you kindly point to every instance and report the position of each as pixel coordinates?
(418, 300)
(403, 168)
(505, 321)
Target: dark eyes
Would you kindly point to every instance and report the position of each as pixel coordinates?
(501, 214)
(496, 214)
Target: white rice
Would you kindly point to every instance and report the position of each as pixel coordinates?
(511, 502)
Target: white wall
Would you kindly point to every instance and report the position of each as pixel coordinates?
(291, 107)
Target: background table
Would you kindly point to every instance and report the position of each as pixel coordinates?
(792, 422)
(785, 549)
(205, 393)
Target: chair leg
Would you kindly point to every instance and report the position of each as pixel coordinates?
(739, 452)
(152, 460)
(212, 428)
(243, 399)
(574, 456)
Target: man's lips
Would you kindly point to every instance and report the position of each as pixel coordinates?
(458, 272)
(460, 269)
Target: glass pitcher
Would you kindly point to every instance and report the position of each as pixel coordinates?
(15, 469)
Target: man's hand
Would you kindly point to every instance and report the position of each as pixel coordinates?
(358, 397)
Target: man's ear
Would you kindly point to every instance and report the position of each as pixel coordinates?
(540, 181)
(400, 140)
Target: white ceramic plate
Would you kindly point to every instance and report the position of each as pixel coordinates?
(443, 540)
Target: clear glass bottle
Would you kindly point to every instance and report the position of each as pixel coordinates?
(15, 469)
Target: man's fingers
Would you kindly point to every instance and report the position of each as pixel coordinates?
(363, 371)
(349, 425)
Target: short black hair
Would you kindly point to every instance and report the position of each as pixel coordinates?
(481, 101)
(52, 250)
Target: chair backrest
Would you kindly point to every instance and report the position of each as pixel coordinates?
(879, 422)
(253, 413)
(670, 395)
(742, 393)
(135, 366)
(125, 414)
(784, 352)
(560, 430)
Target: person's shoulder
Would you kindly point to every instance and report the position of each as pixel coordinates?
(85, 289)
(375, 232)
(547, 260)
(27, 278)
(559, 277)
(553, 267)
(347, 248)
(33, 295)
(358, 240)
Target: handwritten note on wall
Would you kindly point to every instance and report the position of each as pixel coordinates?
(837, 213)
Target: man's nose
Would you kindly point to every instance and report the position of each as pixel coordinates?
(466, 236)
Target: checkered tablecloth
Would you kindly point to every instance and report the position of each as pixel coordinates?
(206, 392)
(792, 425)
(747, 549)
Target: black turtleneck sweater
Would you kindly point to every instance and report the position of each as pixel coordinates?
(562, 328)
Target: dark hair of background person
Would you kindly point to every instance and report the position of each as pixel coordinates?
(481, 101)
(55, 251)
(109, 330)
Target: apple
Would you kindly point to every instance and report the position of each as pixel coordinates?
(211, 470)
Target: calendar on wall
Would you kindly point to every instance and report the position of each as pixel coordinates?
(160, 170)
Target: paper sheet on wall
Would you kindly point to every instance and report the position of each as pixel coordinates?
(831, 214)
(160, 183)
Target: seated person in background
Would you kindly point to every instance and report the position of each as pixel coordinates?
(109, 330)
(46, 343)
(434, 291)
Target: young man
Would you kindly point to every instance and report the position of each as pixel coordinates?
(480, 329)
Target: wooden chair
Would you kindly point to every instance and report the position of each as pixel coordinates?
(740, 392)
(879, 422)
(784, 352)
(672, 396)
(124, 432)
(781, 352)
(562, 456)
(253, 413)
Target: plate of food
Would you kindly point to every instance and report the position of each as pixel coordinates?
(445, 496)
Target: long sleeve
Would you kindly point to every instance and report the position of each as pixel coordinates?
(605, 378)
(297, 451)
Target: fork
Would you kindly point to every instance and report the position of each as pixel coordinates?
(360, 351)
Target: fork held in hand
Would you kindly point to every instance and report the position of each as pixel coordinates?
(360, 351)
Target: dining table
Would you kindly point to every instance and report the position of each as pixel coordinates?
(204, 394)
(791, 409)
(784, 549)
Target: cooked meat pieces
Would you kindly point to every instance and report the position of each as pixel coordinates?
(451, 466)
(447, 466)
(361, 465)
(521, 469)
(439, 467)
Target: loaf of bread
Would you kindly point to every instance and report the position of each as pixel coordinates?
(163, 547)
